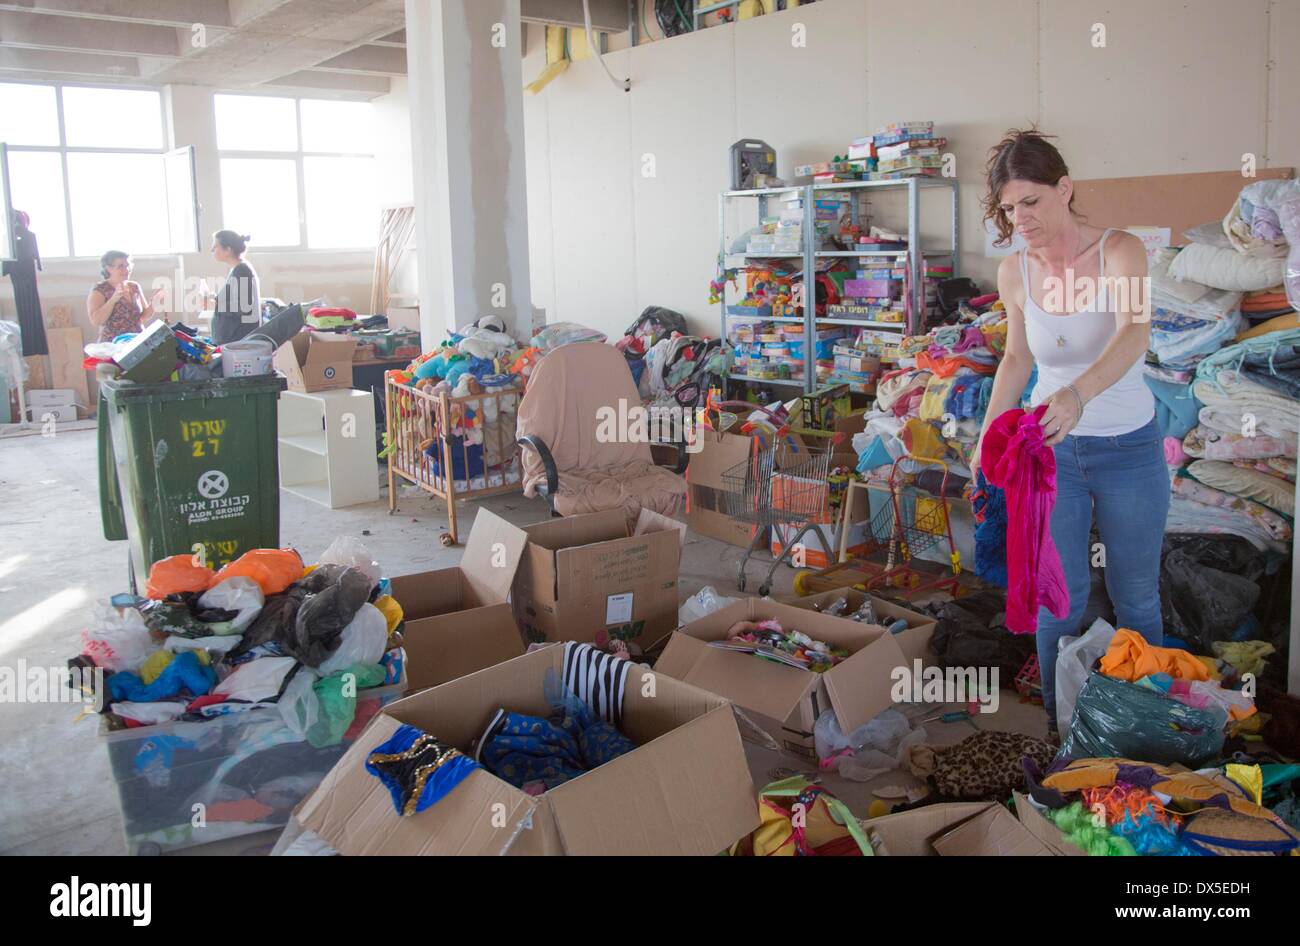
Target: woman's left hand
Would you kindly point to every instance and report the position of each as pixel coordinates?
(1061, 417)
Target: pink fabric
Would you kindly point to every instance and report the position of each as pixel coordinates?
(1015, 459)
(971, 338)
(1174, 453)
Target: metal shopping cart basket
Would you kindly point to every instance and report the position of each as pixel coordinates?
(783, 483)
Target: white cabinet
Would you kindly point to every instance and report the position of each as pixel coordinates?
(327, 447)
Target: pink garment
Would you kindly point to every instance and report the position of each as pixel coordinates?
(1014, 458)
(971, 338)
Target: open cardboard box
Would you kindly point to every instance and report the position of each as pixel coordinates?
(457, 618)
(316, 361)
(580, 575)
(1043, 829)
(954, 829)
(785, 701)
(707, 507)
(685, 789)
(915, 641)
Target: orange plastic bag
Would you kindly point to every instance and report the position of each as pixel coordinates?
(177, 574)
(273, 569)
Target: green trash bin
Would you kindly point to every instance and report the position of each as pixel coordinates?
(190, 466)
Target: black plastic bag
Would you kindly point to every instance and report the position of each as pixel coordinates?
(307, 619)
(1207, 587)
(971, 632)
(1121, 719)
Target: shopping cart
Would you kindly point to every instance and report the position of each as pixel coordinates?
(907, 523)
(780, 484)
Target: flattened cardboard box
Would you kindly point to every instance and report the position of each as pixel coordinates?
(915, 641)
(708, 510)
(685, 789)
(315, 361)
(911, 833)
(584, 574)
(457, 620)
(786, 701)
(994, 832)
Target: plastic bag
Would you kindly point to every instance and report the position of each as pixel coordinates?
(880, 745)
(565, 333)
(1114, 718)
(705, 601)
(177, 574)
(1207, 587)
(337, 702)
(363, 641)
(273, 569)
(116, 640)
(236, 594)
(349, 550)
(299, 704)
(1075, 658)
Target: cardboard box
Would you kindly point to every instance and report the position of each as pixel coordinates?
(404, 317)
(911, 833)
(914, 642)
(60, 403)
(707, 510)
(457, 619)
(786, 701)
(584, 574)
(686, 789)
(994, 832)
(316, 361)
(1043, 829)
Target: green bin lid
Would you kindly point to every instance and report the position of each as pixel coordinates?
(117, 392)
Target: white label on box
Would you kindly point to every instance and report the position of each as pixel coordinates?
(618, 609)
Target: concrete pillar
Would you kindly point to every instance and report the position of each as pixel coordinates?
(191, 120)
(467, 147)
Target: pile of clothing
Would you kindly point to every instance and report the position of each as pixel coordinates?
(273, 656)
(1118, 807)
(931, 407)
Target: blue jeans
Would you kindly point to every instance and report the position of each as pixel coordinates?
(1125, 482)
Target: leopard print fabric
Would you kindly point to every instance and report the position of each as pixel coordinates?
(985, 765)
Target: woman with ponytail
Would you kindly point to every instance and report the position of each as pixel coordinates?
(238, 308)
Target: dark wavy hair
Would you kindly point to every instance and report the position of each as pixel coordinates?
(1021, 155)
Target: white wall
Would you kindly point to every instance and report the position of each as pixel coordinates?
(1181, 86)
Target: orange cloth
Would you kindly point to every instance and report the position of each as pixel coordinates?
(1263, 301)
(176, 574)
(273, 569)
(947, 366)
(1130, 658)
(1279, 323)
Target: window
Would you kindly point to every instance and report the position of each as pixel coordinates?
(298, 172)
(87, 166)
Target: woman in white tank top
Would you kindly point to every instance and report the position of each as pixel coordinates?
(1077, 309)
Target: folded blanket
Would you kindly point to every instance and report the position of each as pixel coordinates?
(1203, 442)
(1176, 408)
(1274, 492)
(1187, 515)
(1176, 340)
(1188, 488)
(1229, 397)
(1226, 269)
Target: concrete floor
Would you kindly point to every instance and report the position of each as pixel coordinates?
(59, 794)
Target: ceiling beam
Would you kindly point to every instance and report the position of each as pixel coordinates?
(373, 60)
(608, 16)
(392, 39)
(308, 80)
(183, 13)
(40, 31)
(44, 61)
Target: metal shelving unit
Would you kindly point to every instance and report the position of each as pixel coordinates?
(808, 193)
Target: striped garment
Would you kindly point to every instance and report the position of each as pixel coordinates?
(597, 678)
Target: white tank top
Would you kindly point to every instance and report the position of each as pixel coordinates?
(1064, 346)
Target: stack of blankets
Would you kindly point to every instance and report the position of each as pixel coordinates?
(1239, 461)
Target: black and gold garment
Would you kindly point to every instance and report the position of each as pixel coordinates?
(418, 769)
